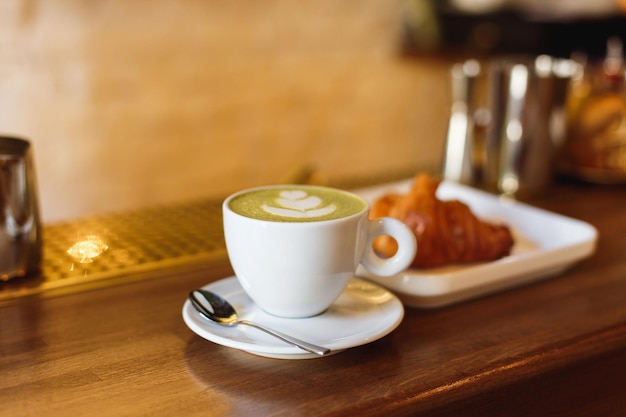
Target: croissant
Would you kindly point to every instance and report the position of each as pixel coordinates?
(447, 232)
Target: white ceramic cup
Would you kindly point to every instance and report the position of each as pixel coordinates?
(298, 268)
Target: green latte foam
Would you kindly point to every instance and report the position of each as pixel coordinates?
(296, 204)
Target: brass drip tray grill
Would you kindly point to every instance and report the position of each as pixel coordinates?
(85, 252)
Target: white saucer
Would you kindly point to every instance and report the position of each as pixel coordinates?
(363, 313)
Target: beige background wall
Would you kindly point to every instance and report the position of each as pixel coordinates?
(142, 102)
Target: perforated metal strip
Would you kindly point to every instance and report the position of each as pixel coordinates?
(100, 247)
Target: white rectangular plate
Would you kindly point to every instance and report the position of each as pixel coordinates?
(546, 244)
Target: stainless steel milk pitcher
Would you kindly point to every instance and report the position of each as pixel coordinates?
(513, 120)
(20, 229)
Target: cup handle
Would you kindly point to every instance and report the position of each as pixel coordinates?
(407, 246)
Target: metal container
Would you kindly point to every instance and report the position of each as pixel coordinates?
(514, 121)
(20, 228)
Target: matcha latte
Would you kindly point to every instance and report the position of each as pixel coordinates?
(296, 203)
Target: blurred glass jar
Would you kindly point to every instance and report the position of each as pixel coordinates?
(595, 144)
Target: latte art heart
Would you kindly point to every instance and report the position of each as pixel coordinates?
(293, 194)
(298, 203)
(301, 204)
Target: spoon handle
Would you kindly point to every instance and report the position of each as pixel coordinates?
(309, 347)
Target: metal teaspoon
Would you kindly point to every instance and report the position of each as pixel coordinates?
(224, 313)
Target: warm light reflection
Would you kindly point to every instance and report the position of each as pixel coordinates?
(509, 184)
(87, 249)
(455, 150)
(514, 130)
(543, 65)
(519, 82)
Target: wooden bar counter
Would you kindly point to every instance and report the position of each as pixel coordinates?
(557, 347)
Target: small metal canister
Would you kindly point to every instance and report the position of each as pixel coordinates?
(20, 228)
